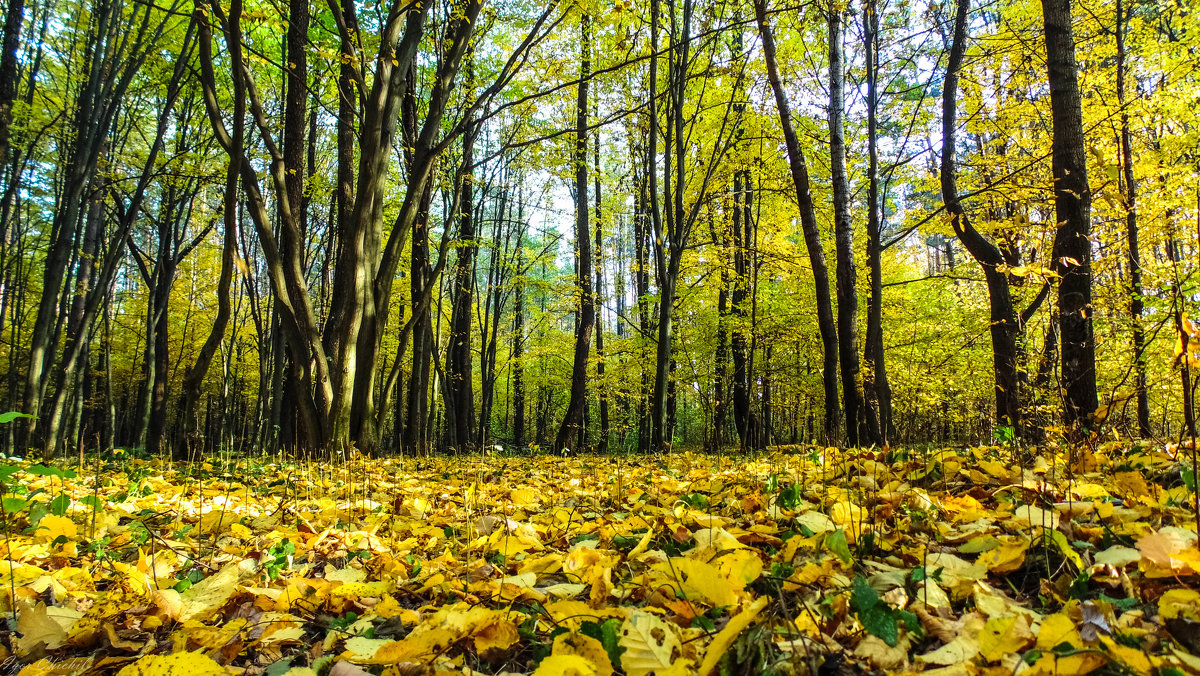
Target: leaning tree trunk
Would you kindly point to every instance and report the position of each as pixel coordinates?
(798, 166)
(1005, 323)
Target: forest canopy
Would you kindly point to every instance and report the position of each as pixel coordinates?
(460, 225)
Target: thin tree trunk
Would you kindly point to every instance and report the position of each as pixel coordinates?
(1005, 322)
(1136, 303)
(873, 350)
(847, 273)
(798, 166)
(573, 421)
(601, 386)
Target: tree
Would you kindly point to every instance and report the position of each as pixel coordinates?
(798, 168)
(1073, 213)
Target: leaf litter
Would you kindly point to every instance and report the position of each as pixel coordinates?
(797, 561)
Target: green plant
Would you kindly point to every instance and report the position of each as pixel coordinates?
(877, 617)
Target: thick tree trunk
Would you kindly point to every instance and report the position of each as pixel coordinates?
(1073, 213)
(460, 394)
(798, 166)
(573, 421)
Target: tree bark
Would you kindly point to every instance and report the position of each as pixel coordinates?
(843, 228)
(1073, 213)
(460, 394)
(798, 166)
(1004, 319)
(873, 350)
(1136, 302)
(573, 421)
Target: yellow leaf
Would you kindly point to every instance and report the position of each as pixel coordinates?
(42, 624)
(698, 581)
(1006, 558)
(523, 497)
(1180, 604)
(1050, 664)
(720, 645)
(52, 526)
(1004, 635)
(1136, 660)
(650, 644)
(566, 665)
(1036, 516)
(207, 596)
(1058, 629)
(816, 522)
(497, 632)
(179, 664)
(586, 647)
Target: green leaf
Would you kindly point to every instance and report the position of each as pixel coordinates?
(790, 497)
(42, 470)
(92, 501)
(7, 471)
(879, 621)
(9, 416)
(14, 505)
(59, 505)
(836, 543)
(608, 634)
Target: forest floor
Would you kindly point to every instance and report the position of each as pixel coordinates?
(796, 561)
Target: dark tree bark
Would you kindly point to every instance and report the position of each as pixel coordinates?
(14, 16)
(843, 228)
(1073, 213)
(798, 166)
(1136, 303)
(1005, 322)
(879, 389)
(573, 421)
(744, 418)
(460, 394)
(518, 360)
(601, 387)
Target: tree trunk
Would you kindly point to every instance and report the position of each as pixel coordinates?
(843, 227)
(1136, 302)
(601, 387)
(518, 359)
(1004, 319)
(460, 394)
(873, 351)
(798, 166)
(573, 420)
(1073, 213)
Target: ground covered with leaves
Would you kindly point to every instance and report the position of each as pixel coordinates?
(799, 561)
